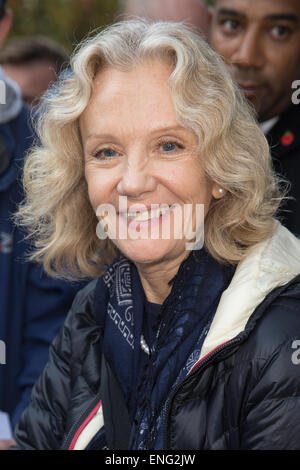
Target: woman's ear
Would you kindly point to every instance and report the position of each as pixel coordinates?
(217, 191)
(5, 25)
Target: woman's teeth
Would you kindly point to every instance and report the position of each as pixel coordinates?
(146, 215)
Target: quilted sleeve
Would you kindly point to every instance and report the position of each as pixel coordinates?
(272, 414)
(42, 424)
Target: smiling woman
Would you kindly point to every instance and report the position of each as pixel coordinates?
(200, 100)
(142, 154)
(148, 124)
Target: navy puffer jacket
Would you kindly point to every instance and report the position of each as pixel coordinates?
(243, 393)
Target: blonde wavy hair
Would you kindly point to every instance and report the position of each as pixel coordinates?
(233, 151)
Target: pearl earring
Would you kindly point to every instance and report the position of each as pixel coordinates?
(221, 190)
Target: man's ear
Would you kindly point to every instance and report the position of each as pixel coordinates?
(5, 25)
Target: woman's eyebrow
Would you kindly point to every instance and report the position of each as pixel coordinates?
(97, 135)
(162, 129)
(154, 130)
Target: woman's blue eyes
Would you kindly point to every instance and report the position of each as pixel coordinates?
(108, 153)
(169, 146)
(104, 154)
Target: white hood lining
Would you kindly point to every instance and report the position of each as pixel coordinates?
(268, 265)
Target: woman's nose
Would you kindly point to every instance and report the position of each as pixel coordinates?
(136, 178)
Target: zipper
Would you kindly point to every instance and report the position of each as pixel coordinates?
(203, 362)
(76, 424)
(171, 301)
(197, 368)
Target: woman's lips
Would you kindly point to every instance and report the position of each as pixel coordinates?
(149, 214)
(142, 218)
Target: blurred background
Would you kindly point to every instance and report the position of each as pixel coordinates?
(66, 21)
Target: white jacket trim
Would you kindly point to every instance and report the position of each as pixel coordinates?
(91, 429)
(268, 265)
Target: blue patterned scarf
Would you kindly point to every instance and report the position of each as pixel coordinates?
(185, 318)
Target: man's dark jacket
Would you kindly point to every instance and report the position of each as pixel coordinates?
(243, 394)
(284, 140)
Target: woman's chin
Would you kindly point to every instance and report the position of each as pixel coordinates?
(149, 251)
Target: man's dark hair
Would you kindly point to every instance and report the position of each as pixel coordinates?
(23, 50)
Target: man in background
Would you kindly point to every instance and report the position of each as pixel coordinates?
(32, 305)
(193, 13)
(260, 42)
(34, 63)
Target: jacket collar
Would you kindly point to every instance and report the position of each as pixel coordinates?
(266, 126)
(268, 265)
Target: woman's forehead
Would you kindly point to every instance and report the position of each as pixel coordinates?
(140, 95)
(151, 73)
